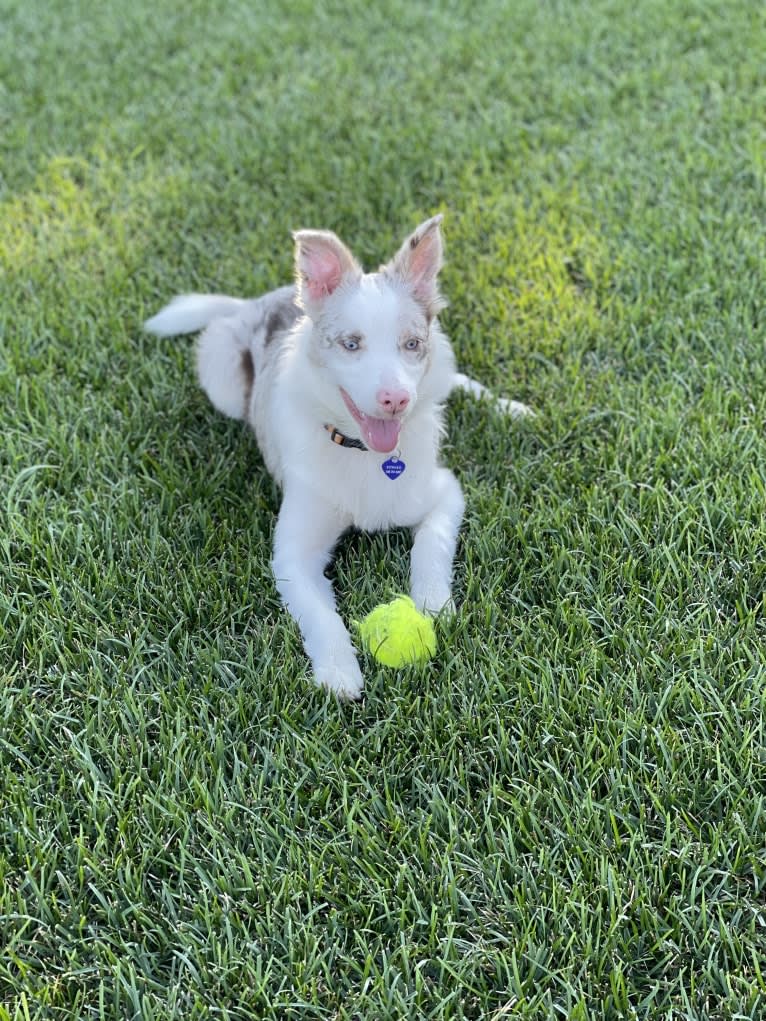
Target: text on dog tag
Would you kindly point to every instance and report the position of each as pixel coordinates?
(393, 467)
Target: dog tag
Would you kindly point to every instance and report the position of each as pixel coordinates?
(393, 467)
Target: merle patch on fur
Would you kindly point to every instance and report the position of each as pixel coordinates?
(281, 318)
(248, 371)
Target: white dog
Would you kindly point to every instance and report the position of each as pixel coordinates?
(343, 378)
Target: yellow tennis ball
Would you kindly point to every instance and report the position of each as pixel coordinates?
(396, 633)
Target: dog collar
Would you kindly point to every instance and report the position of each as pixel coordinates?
(392, 468)
(344, 441)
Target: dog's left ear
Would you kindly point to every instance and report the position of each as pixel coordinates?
(417, 264)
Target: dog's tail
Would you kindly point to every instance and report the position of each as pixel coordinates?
(190, 313)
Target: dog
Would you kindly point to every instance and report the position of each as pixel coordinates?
(343, 377)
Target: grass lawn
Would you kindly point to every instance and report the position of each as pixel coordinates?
(563, 814)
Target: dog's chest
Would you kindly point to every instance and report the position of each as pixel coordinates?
(356, 484)
(381, 491)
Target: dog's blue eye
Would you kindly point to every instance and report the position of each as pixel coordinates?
(412, 344)
(351, 343)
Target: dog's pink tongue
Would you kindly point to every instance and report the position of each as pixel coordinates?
(382, 434)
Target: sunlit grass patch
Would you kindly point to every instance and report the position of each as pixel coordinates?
(82, 217)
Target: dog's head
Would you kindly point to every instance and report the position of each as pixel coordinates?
(373, 333)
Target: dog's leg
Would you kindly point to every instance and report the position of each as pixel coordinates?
(433, 549)
(515, 409)
(306, 534)
(225, 366)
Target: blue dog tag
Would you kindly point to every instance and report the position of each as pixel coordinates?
(393, 467)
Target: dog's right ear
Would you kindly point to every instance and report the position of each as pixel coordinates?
(322, 263)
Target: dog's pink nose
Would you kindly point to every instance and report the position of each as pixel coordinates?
(393, 401)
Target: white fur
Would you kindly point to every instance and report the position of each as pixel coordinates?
(296, 392)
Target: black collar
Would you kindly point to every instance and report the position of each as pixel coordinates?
(344, 441)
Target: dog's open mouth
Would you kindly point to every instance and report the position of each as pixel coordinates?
(381, 434)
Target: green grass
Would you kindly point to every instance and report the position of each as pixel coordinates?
(564, 814)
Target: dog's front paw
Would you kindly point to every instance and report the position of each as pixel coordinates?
(340, 674)
(514, 409)
(434, 600)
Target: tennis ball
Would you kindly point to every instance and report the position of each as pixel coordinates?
(397, 634)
